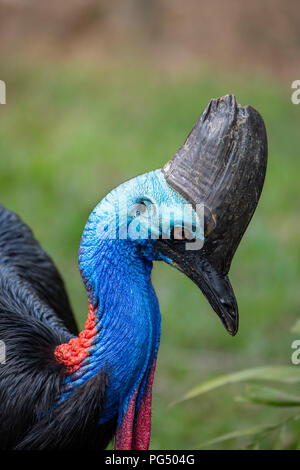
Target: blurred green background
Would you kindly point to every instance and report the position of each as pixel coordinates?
(73, 129)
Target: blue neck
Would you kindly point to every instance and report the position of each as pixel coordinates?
(118, 282)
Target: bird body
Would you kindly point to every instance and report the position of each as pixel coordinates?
(64, 390)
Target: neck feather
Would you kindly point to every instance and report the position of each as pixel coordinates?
(122, 331)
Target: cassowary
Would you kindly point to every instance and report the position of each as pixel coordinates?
(64, 390)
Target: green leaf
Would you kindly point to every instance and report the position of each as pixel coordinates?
(241, 433)
(284, 374)
(269, 396)
(254, 430)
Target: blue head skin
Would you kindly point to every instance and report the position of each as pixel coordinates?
(115, 260)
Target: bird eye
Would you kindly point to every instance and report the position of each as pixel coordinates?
(138, 209)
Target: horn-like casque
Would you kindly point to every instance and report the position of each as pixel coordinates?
(222, 165)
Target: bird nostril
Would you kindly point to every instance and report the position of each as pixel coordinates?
(228, 306)
(223, 301)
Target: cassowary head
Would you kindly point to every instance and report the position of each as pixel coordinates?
(192, 214)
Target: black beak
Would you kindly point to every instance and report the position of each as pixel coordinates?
(218, 291)
(205, 273)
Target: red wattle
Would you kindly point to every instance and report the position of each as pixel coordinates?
(135, 429)
(72, 353)
(125, 430)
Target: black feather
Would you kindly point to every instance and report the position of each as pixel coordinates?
(35, 317)
(20, 250)
(58, 432)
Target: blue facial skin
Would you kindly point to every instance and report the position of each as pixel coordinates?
(117, 275)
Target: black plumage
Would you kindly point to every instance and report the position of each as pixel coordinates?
(35, 317)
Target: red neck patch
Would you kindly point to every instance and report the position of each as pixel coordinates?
(71, 354)
(135, 429)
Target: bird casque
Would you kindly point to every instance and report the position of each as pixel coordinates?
(64, 390)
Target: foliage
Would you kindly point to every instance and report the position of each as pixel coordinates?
(272, 435)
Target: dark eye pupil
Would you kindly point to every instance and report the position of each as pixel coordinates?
(141, 209)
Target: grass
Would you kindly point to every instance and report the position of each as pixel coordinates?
(69, 134)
